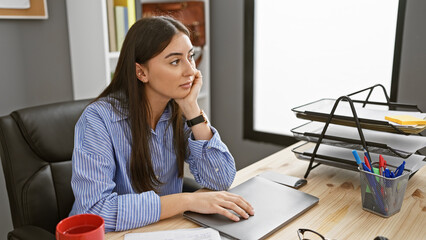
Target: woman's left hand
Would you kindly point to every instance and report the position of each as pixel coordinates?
(189, 104)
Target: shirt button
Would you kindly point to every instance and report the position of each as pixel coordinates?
(209, 147)
(216, 169)
(157, 176)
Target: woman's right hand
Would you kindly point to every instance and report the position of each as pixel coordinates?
(220, 203)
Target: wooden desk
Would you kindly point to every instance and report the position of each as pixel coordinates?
(339, 213)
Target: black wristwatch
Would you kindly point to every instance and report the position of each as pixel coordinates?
(196, 120)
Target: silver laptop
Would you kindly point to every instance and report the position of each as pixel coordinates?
(274, 204)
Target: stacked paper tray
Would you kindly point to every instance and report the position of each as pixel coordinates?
(343, 158)
(370, 118)
(378, 142)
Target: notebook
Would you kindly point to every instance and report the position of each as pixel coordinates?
(274, 204)
(406, 120)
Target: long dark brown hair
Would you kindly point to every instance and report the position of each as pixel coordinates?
(147, 38)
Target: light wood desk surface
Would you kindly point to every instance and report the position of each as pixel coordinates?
(339, 213)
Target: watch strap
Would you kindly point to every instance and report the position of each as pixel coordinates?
(196, 120)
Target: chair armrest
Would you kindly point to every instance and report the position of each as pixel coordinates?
(29, 232)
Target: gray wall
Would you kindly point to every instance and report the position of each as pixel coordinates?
(227, 24)
(35, 60)
(35, 69)
(412, 78)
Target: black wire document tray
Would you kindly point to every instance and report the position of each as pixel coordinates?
(377, 141)
(343, 158)
(346, 111)
(370, 118)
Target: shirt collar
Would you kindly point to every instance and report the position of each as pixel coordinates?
(121, 113)
(118, 113)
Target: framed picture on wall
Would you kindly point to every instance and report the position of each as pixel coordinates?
(23, 9)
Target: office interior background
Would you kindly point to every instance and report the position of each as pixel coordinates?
(35, 69)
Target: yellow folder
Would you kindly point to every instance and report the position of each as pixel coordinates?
(406, 120)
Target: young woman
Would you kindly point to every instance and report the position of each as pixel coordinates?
(132, 141)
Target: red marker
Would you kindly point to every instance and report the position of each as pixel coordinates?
(367, 163)
(381, 164)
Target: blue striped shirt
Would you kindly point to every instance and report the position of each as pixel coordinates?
(101, 160)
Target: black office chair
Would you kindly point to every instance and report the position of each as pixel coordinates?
(36, 147)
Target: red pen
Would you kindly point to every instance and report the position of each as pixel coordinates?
(367, 163)
(381, 164)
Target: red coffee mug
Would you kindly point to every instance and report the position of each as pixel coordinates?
(81, 227)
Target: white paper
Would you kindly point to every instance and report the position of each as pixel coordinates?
(187, 234)
(15, 4)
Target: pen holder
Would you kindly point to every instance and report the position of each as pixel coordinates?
(380, 195)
